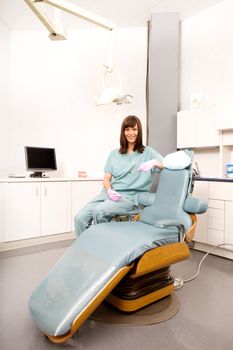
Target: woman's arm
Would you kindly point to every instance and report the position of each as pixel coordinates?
(107, 181)
(159, 165)
(113, 195)
(150, 164)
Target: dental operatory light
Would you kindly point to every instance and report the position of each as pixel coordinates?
(112, 91)
(112, 94)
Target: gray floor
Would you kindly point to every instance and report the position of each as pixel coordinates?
(205, 320)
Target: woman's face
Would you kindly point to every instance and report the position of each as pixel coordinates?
(131, 134)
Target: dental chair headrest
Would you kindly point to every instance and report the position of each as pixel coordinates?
(177, 160)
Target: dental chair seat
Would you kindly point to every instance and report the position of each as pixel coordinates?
(100, 258)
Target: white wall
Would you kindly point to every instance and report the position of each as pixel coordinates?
(4, 95)
(207, 55)
(53, 90)
(207, 68)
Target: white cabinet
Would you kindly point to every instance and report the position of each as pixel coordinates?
(215, 226)
(37, 208)
(55, 207)
(215, 220)
(224, 107)
(82, 193)
(197, 128)
(22, 211)
(186, 129)
(229, 223)
(2, 210)
(201, 191)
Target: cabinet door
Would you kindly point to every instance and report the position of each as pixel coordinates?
(55, 208)
(228, 224)
(197, 128)
(221, 190)
(186, 129)
(22, 211)
(216, 215)
(201, 191)
(224, 101)
(83, 192)
(207, 133)
(3, 188)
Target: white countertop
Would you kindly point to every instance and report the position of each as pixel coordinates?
(48, 179)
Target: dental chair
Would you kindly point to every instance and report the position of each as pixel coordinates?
(124, 263)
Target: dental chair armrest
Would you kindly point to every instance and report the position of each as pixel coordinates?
(195, 205)
(171, 223)
(119, 214)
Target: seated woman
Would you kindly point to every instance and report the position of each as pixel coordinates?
(128, 172)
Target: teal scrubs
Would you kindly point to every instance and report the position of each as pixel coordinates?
(127, 180)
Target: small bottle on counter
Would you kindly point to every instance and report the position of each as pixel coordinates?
(229, 170)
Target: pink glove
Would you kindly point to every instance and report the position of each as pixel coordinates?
(146, 166)
(113, 195)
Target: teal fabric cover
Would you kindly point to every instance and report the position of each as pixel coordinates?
(195, 205)
(102, 250)
(177, 160)
(87, 266)
(169, 199)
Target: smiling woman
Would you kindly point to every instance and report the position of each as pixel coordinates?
(128, 172)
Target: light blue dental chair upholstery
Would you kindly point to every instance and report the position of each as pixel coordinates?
(92, 268)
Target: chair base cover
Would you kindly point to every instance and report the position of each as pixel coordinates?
(132, 294)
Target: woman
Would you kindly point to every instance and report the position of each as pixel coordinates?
(126, 175)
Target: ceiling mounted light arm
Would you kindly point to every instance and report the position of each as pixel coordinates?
(64, 5)
(52, 28)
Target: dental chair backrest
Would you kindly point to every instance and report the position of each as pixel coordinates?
(172, 191)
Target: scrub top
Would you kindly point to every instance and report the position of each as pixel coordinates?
(126, 179)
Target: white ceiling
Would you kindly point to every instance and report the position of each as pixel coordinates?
(16, 15)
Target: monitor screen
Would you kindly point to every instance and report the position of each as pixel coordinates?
(41, 159)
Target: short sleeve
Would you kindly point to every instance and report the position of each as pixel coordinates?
(153, 154)
(108, 165)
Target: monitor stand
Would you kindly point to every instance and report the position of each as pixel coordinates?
(37, 174)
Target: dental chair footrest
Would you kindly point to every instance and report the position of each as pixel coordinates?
(136, 304)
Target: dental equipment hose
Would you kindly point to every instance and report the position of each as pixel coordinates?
(179, 282)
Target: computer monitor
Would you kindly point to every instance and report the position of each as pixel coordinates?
(39, 160)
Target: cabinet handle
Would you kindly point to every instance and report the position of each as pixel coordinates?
(37, 191)
(45, 191)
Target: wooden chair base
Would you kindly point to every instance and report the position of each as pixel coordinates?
(136, 304)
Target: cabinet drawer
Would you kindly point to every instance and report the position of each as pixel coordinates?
(215, 223)
(213, 203)
(221, 190)
(215, 236)
(216, 213)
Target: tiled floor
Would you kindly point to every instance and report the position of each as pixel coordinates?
(204, 321)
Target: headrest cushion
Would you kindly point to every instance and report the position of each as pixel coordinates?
(177, 160)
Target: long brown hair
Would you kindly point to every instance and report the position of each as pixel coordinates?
(131, 121)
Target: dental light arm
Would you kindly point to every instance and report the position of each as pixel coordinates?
(55, 32)
(64, 5)
(113, 93)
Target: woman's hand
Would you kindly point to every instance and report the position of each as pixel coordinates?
(146, 166)
(113, 195)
